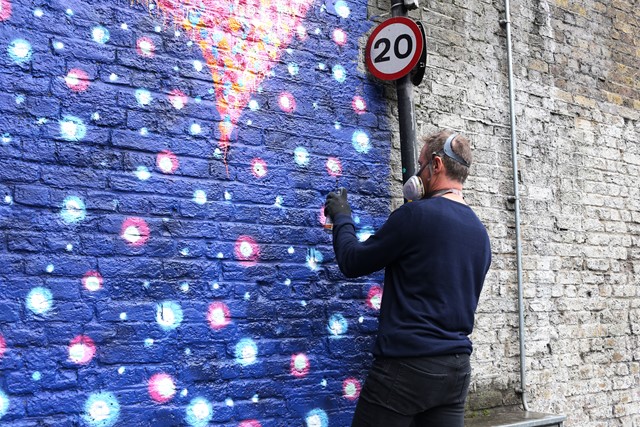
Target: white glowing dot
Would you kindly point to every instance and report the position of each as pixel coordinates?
(323, 383)
(293, 68)
(229, 402)
(69, 12)
(69, 247)
(291, 250)
(255, 398)
(227, 195)
(148, 342)
(200, 197)
(157, 28)
(36, 376)
(189, 43)
(317, 31)
(247, 296)
(287, 282)
(146, 284)
(187, 351)
(303, 303)
(113, 77)
(360, 319)
(322, 65)
(144, 131)
(123, 316)
(197, 65)
(337, 125)
(184, 287)
(184, 392)
(285, 101)
(124, 26)
(220, 255)
(253, 105)
(8, 200)
(50, 268)
(278, 201)
(342, 9)
(143, 173)
(121, 370)
(215, 285)
(58, 45)
(38, 13)
(95, 116)
(195, 129)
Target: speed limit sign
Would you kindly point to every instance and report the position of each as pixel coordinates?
(394, 48)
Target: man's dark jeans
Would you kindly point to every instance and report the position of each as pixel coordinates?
(415, 392)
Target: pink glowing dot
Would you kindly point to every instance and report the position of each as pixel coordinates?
(374, 299)
(81, 350)
(135, 231)
(5, 10)
(3, 346)
(334, 166)
(258, 167)
(218, 315)
(77, 80)
(246, 249)
(287, 102)
(351, 388)
(250, 423)
(300, 365)
(178, 99)
(162, 387)
(339, 37)
(92, 281)
(167, 162)
(359, 104)
(145, 47)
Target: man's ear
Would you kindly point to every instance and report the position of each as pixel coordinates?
(437, 163)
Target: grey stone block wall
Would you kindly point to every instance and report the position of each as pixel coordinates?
(577, 92)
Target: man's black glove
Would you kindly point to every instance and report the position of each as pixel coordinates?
(337, 203)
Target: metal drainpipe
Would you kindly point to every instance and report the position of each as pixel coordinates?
(406, 114)
(516, 197)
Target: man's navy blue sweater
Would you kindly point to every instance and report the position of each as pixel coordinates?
(436, 254)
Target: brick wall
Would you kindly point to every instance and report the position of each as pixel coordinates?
(163, 173)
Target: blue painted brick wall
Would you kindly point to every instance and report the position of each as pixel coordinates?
(140, 258)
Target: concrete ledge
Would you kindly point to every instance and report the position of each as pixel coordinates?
(515, 419)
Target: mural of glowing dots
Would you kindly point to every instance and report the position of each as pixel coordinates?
(3, 347)
(135, 231)
(72, 128)
(287, 102)
(145, 47)
(351, 388)
(337, 325)
(374, 298)
(317, 418)
(81, 350)
(360, 142)
(246, 352)
(199, 412)
(73, 210)
(92, 281)
(334, 166)
(167, 162)
(39, 300)
(4, 404)
(101, 410)
(359, 104)
(20, 51)
(162, 387)
(169, 315)
(339, 37)
(250, 423)
(247, 250)
(218, 315)
(258, 168)
(178, 99)
(300, 365)
(5, 13)
(77, 80)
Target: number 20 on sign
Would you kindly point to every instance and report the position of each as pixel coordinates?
(394, 48)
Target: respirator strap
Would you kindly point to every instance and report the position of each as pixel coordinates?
(448, 151)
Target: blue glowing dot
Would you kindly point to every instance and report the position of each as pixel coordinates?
(337, 325)
(360, 142)
(143, 97)
(148, 342)
(4, 404)
(72, 128)
(314, 258)
(293, 68)
(142, 173)
(200, 197)
(58, 45)
(317, 418)
(339, 73)
(6, 138)
(100, 34)
(246, 352)
(342, 9)
(101, 410)
(20, 99)
(301, 156)
(36, 376)
(168, 315)
(39, 300)
(20, 51)
(73, 210)
(199, 412)
(144, 131)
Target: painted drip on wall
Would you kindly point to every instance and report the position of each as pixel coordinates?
(164, 168)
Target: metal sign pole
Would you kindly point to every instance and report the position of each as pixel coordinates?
(406, 114)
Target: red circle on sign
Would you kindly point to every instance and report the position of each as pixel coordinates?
(417, 35)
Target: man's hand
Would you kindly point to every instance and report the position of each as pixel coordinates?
(337, 203)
